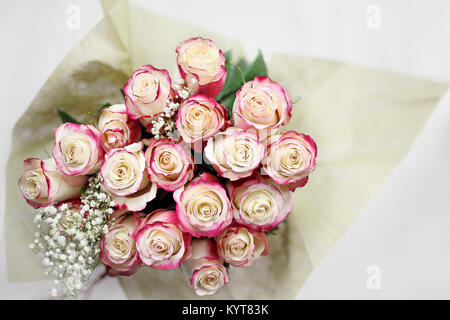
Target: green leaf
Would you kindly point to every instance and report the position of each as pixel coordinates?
(83, 189)
(65, 117)
(272, 231)
(123, 93)
(257, 68)
(226, 264)
(103, 106)
(228, 103)
(228, 55)
(234, 80)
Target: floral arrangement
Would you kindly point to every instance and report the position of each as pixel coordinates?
(193, 173)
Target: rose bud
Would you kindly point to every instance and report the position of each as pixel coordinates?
(168, 163)
(259, 203)
(78, 149)
(290, 158)
(117, 129)
(125, 178)
(234, 153)
(203, 207)
(199, 118)
(241, 247)
(202, 65)
(205, 268)
(160, 241)
(43, 184)
(262, 104)
(118, 248)
(146, 92)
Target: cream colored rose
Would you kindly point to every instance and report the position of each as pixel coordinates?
(146, 92)
(203, 207)
(78, 150)
(125, 178)
(205, 268)
(262, 105)
(42, 183)
(234, 153)
(199, 118)
(241, 247)
(117, 130)
(118, 248)
(259, 203)
(290, 159)
(169, 164)
(160, 240)
(202, 64)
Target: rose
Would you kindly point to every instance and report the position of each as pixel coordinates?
(146, 92)
(262, 104)
(290, 158)
(199, 118)
(259, 203)
(117, 131)
(43, 184)
(125, 178)
(205, 268)
(235, 153)
(241, 247)
(117, 247)
(160, 241)
(168, 163)
(202, 64)
(78, 149)
(203, 207)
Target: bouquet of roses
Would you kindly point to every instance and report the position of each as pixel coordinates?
(191, 174)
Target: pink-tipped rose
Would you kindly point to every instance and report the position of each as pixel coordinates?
(259, 203)
(199, 118)
(235, 153)
(290, 158)
(42, 183)
(241, 246)
(160, 241)
(203, 207)
(205, 268)
(118, 248)
(202, 65)
(146, 92)
(262, 104)
(78, 149)
(125, 178)
(117, 129)
(168, 163)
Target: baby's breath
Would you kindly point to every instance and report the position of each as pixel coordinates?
(164, 124)
(67, 238)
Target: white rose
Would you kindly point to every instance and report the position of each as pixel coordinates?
(234, 153)
(241, 247)
(205, 268)
(125, 178)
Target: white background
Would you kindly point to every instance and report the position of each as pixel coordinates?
(404, 231)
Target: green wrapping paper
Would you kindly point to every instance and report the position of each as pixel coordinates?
(363, 121)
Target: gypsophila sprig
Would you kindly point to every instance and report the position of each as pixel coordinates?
(67, 238)
(164, 124)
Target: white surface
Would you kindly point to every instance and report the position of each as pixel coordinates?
(403, 229)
